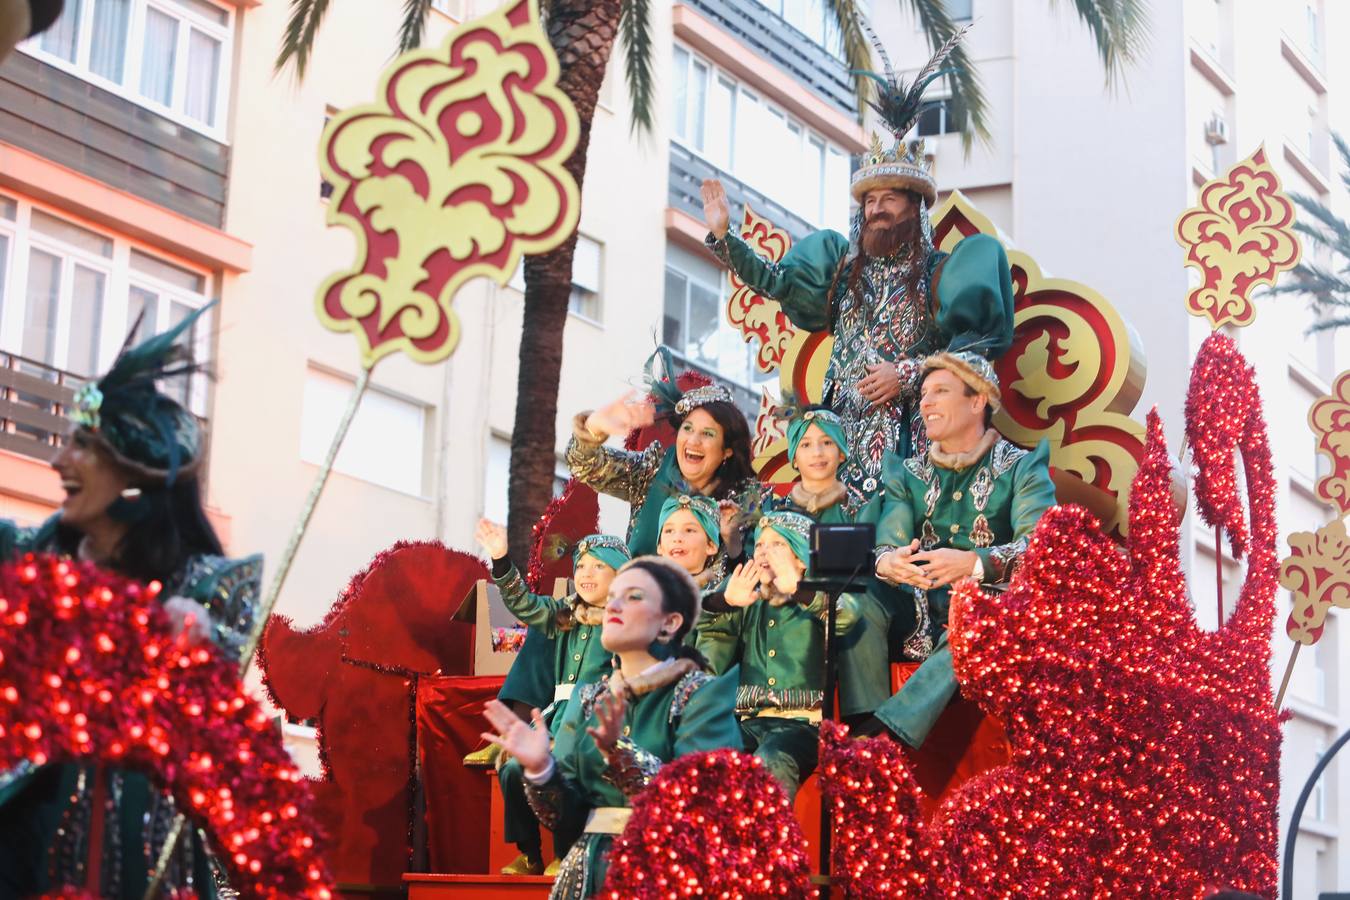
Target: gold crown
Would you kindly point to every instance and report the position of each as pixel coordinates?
(905, 165)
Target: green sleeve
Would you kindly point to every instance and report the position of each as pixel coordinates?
(895, 527)
(975, 297)
(846, 611)
(800, 281)
(610, 470)
(1033, 494)
(535, 610)
(708, 721)
(718, 638)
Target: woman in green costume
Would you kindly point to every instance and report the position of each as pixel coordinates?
(133, 505)
(571, 626)
(622, 729)
(710, 456)
(775, 633)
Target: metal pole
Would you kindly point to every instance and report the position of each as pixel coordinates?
(270, 601)
(1284, 682)
(1287, 878)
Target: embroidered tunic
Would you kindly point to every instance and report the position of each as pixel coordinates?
(877, 321)
(990, 507)
(52, 806)
(688, 715)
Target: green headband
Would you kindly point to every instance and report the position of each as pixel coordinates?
(795, 529)
(826, 421)
(704, 510)
(607, 548)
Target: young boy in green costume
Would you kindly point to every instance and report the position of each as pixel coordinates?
(776, 633)
(571, 626)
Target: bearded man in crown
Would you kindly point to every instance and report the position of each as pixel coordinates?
(886, 294)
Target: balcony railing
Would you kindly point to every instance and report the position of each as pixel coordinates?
(34, 398)
(687, 172)
(767, 34)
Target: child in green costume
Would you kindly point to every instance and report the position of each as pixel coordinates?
(571, 626)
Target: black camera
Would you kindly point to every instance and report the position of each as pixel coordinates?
(841, 556)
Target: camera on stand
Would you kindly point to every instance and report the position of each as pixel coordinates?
(841, 557)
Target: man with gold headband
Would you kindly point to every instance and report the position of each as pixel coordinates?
(965, 509)
(885, 293)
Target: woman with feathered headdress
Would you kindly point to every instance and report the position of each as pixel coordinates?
(129, 467)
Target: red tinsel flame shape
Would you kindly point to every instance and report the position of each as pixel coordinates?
(1145, 750)
(878, 845)
(712, 824)
(1221, 405)
(88, 672)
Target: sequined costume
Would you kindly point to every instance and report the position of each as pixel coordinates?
(47, 813)
(875, 317)
(987, 501)
(677, 710)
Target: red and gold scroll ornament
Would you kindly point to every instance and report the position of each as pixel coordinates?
(1241, 235)
(1073, 376)
(1317, 573)
(1329, 418)
(455, 171)
(756, 316)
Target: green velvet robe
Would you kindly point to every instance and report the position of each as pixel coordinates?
(990, 507)
(873, 318)
(691, 714)
(44, 811)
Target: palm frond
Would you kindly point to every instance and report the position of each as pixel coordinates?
(1120, 30)
(1326, 229)
(635, 29)
(413, 24)
(851, 23)
(298, 41)
(967, 106)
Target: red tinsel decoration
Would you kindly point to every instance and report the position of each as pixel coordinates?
(878, 846)
(713, 824)
(569, 517)
(88, 672)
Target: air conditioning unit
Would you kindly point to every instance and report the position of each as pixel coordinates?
(1216, 130)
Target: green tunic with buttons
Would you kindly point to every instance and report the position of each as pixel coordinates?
(45, 812)
(691, 713)
(578, 657)
(990, 505)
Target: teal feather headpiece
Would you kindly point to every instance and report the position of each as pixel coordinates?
(145, 431)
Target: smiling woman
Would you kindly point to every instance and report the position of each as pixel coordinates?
(710, 457)
(133, 504)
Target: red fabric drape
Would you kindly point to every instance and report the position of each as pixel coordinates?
(458, 799)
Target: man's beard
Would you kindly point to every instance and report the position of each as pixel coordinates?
(882, 238)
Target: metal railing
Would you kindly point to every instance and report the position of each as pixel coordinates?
(766, 33)
(687, 173)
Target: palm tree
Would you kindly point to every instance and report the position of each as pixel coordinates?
(1328, 284)
(582, 33)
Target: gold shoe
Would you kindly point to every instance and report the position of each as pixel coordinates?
(522, 865)
(484, 758)
(552, 869)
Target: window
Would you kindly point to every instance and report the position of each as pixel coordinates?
(937, 119)
(452, 8)
(386, 444)
(1317, 805)
(585, 300)
(812, 18)
(69, 295)
(960, 10)
(497, 478)
(169, 55)
(694, 324)
(758, 143)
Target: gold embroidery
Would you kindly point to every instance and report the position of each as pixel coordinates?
(980, 534)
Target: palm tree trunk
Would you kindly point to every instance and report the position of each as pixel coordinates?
(582, 34)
